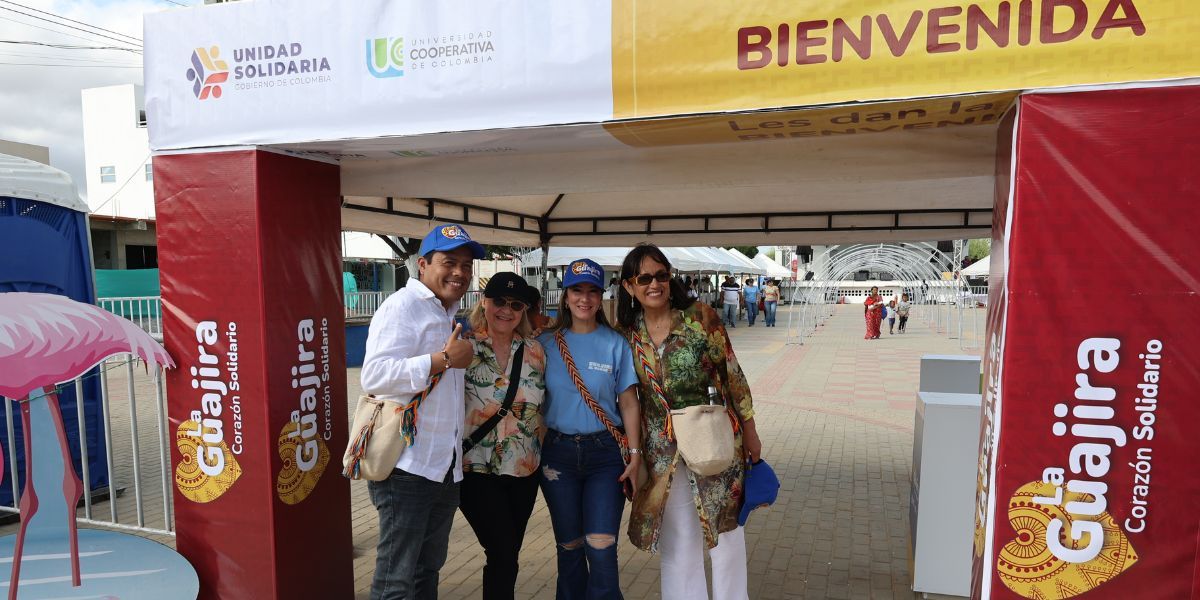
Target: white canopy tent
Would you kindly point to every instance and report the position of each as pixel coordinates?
(748, 264)
(773, 268)
(684, 260)
(979, 268)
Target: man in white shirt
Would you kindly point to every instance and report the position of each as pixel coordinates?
(731, 300)
(412, 338)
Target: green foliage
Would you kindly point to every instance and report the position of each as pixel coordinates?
(978, 249)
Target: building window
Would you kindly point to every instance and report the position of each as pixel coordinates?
(108, 174)
(149, 173)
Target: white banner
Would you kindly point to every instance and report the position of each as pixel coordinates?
(241, 73)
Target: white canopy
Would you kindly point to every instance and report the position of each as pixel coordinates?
(773, 268)
(685, 260)
(747, 265)
(23, 178)
(979, 268)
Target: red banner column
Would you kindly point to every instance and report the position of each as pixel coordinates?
(251, 285)
(1088, 482)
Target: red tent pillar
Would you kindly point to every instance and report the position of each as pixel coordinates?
(251, 285)
(1087, 479)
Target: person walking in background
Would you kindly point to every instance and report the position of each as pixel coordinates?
(731, 299)
(591, 396)
(750, 294)
(682, 352)
(504, 387)
(891, 317)
(414, 346)
(873, 309)
(902, 309)
(770, 301)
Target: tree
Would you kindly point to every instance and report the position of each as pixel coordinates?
(977, 249)
(749, 251)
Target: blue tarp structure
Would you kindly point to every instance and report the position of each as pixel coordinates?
(44, 248)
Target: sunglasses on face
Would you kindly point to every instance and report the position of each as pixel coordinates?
(516, 305)
(645, 278)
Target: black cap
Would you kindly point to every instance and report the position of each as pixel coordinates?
(510, 285)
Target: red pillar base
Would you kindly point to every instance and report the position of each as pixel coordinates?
(251, 284)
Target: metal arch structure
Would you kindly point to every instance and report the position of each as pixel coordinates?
(919, 267)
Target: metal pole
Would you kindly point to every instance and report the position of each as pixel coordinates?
(108, 458)
(83, 449)
(133, 433)
(163, 462)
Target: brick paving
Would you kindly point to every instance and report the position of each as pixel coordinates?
(835, 415)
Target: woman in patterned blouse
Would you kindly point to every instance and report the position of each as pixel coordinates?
(678, 512)
(500, 471)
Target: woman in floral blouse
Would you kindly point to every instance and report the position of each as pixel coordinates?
(679, 513)
(500, 470)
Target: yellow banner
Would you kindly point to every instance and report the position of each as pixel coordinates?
(680, 56)
(762, 126)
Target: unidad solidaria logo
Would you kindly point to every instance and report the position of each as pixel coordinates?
(208, 72)
(385, 57)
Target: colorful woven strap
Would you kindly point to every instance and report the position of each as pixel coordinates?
(648, 367)
(617, 434)
(408, 415)
(655, 386)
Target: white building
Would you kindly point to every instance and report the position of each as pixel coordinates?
(120, 181)
(120, 190)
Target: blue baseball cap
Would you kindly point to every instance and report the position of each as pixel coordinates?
(584, 271)
(444, 238)
(761, 489)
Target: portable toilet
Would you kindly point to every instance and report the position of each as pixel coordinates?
(45, 248)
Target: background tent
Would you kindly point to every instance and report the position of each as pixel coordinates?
(773, 269)
(979, 268)
(44, 248)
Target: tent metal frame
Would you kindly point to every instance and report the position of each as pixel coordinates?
(901, 220)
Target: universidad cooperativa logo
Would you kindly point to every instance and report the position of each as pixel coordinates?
(208, 72)
(385, 57)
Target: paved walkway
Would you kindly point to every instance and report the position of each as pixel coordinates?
(835, 416)
(836, 419)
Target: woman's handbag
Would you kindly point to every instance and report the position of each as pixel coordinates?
(612, 428)
(384, 429)
(704, 437)
(704, 434)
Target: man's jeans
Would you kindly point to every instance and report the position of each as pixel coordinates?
(731, 314)
(579, 482)
(415, 515)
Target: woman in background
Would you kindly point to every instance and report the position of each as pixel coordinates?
(874, 313)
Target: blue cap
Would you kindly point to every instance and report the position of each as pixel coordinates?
(444, 238)
(761, 489)
(584, 271)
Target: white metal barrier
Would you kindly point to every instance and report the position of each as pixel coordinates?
(137, 454)
(144, 311)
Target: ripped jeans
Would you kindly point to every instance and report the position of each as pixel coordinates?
(579, 482)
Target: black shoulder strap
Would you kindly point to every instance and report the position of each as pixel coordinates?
(514, 381)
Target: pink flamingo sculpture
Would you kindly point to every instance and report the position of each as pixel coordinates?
(46, 340)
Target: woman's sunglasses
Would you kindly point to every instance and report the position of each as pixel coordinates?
(645, 278)
(516, 305)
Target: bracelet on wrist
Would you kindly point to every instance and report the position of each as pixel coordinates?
(446, 357)
(633, 450)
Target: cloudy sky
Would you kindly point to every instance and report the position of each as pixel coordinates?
(41, 104)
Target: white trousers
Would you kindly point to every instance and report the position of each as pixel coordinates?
(681, 543)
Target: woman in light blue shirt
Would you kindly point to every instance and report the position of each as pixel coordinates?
(585, 476)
